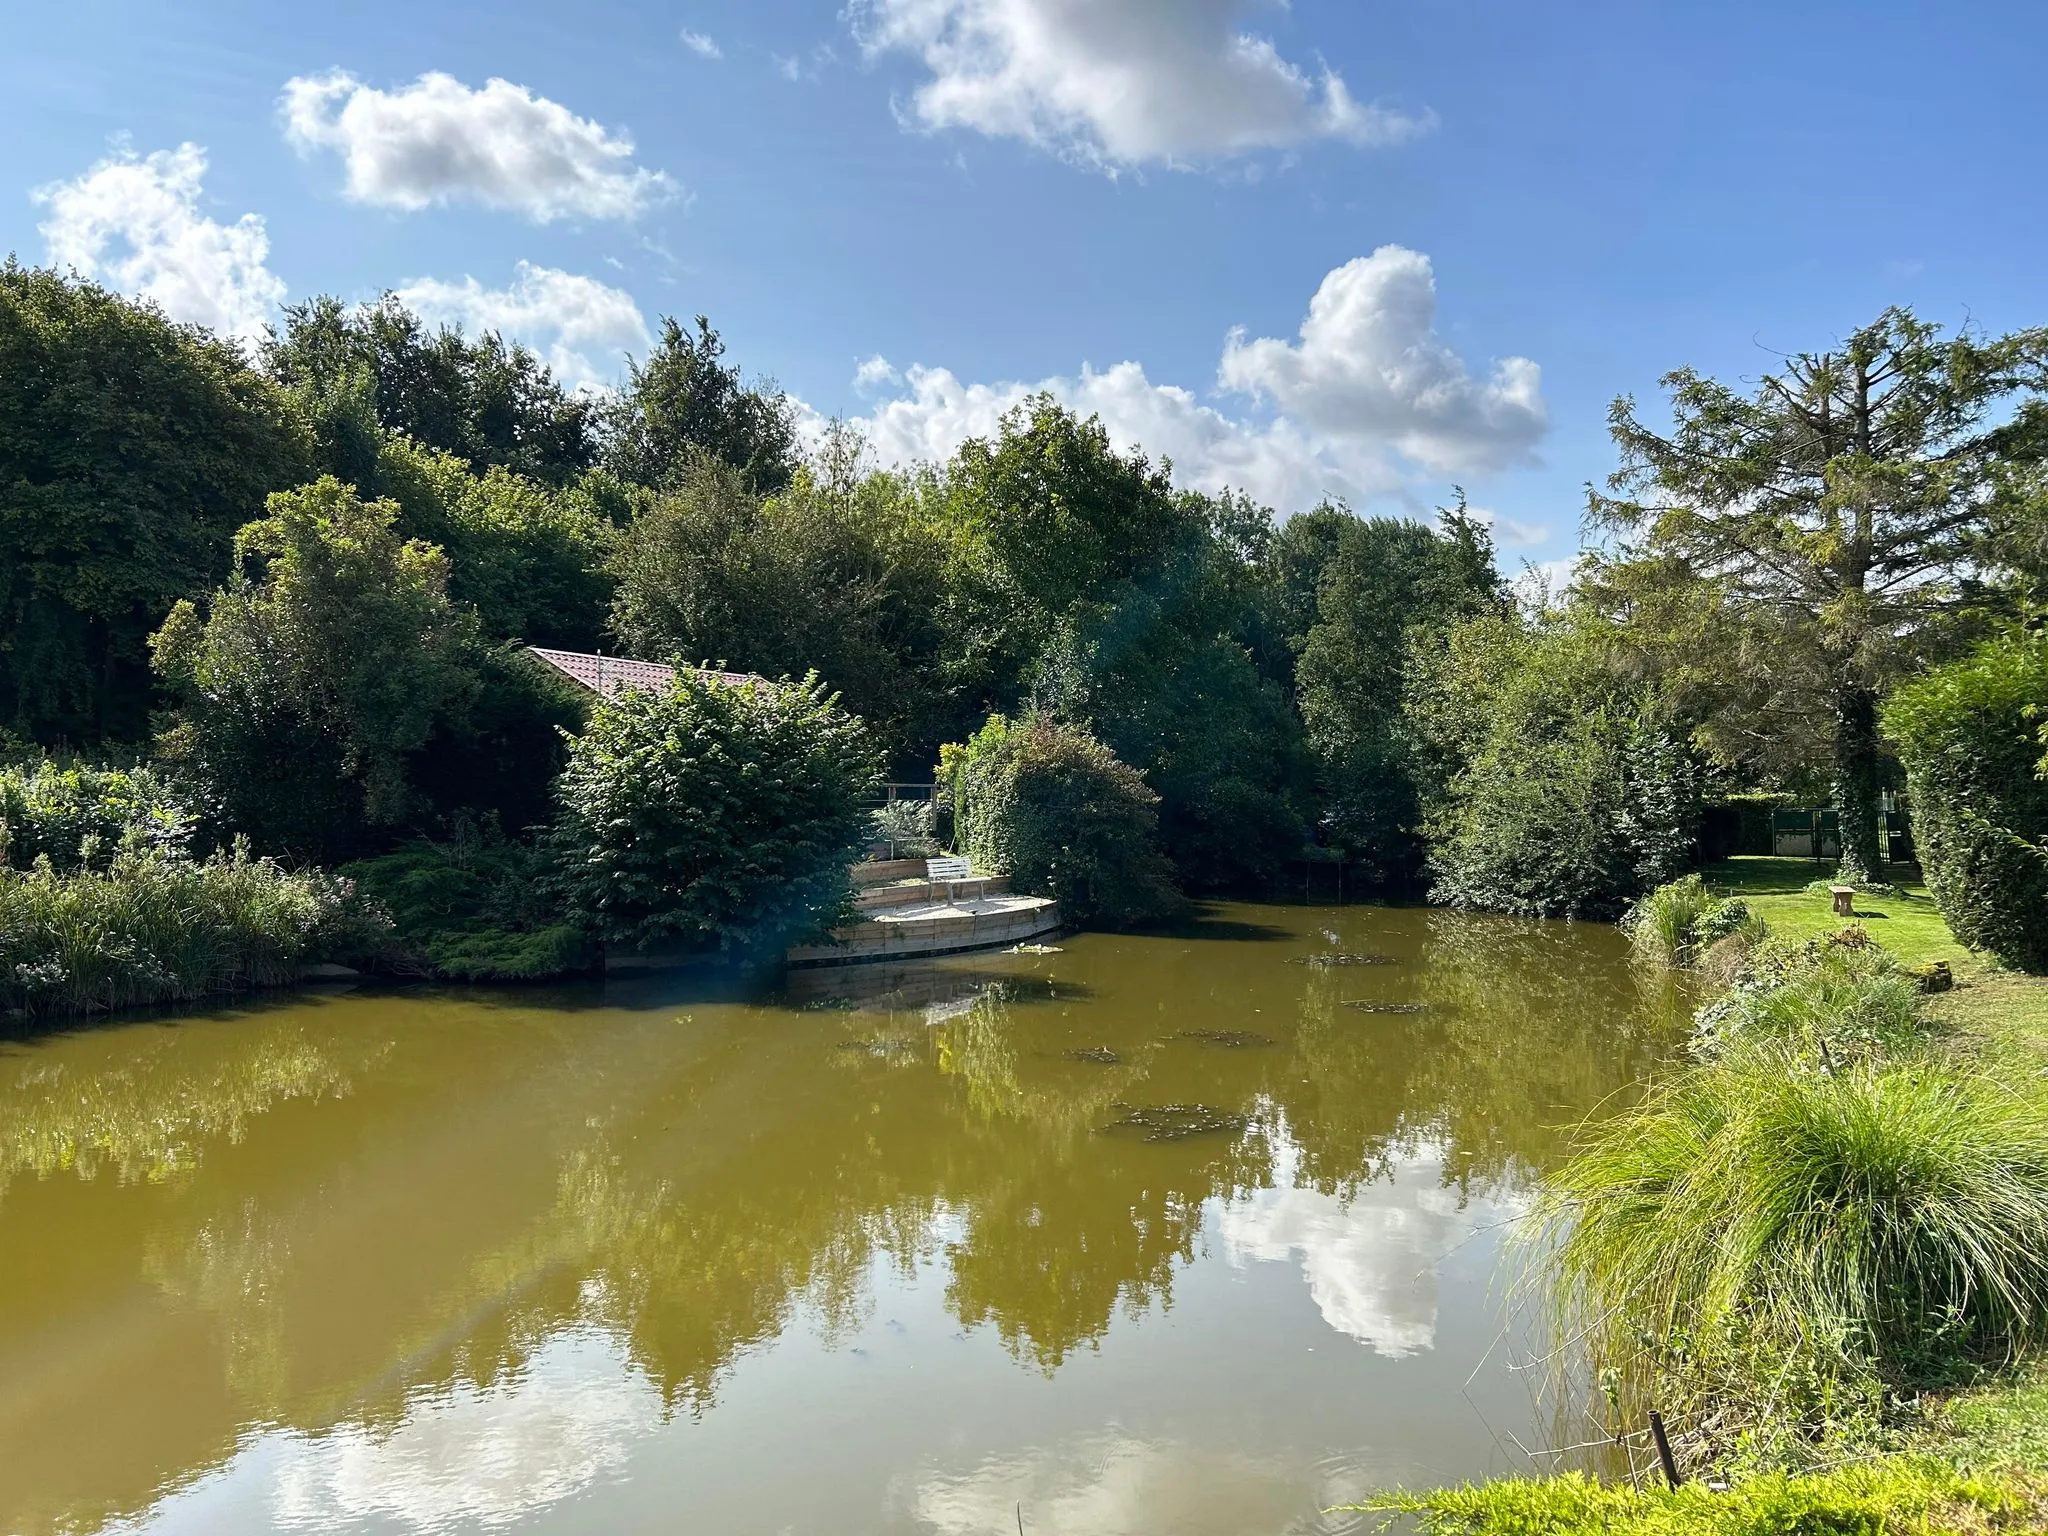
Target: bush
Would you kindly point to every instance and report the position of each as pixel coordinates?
(709, 814)
(1051, 807)
(83, 815)
(1969, 735)
(908, 828)
(1770, 1249)
(156, 929)
(475, 908)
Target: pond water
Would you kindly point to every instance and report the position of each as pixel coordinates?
(1151, 1234)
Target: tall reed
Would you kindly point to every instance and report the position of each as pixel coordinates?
(154, 928)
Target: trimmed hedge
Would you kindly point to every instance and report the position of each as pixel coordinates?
(1060, 814)
(1970, 736)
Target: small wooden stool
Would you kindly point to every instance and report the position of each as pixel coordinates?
(1845, 899)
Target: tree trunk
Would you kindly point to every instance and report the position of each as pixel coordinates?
(1857, 783)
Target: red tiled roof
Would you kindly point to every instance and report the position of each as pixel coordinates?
(608, 676)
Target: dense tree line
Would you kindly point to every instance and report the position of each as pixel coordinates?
(303, 578)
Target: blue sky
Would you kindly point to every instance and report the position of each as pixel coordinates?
(1510, 213)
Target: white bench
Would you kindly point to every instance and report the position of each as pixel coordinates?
(952, 873)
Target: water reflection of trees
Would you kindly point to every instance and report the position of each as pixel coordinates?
(696, 1186)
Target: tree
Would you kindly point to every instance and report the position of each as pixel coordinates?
(838, 574)
(1083, 582)
(1824, 523)
(1562, 795)
(707, 814)
(683, 404)
(131, 449)
(1385, 586)
(378, 366)
(327, 660)
(529, 558)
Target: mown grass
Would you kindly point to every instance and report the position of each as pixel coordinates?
(1904, 921)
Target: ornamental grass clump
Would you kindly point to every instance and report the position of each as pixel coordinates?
(1767, 1250)
(1677, 923)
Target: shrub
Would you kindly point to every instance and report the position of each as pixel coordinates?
(708, 814)
(908, 828)
(1051, 807)
(84, 815)
(154, 929)
(475, 908)
(1769, 1248)
(1969, 735)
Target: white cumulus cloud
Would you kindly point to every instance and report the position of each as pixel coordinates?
(1369, 396)
(1118, 82)
(1370, 367)
(439, 141)
(134, 222)
(580, 325)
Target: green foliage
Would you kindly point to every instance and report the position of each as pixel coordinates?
(1083, 581)
(708, 814)
(837, 574)
(475, 908)
(683, 405)
(498, 756)
(1663, 925)
(131, 449)
(1561, 795)
(530, 559)
(326, 661)
(1970, 736)
(1892, 1497)
(1788, 553)
(1841, 995)
(1676, 923)
(358, 372)
(1384, 587)
(154, 928)
(1055, 810)
(1767, 1248)
(82, 816)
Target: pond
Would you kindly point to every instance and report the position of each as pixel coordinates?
(1195, 1233)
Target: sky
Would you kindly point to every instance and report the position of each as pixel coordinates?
(1371, 251)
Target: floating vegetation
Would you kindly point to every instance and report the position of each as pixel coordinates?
(1230, 1039)
(1035, 949)
(831, 1005)
(1365, 1006)
(1342, 957)
(1177, 1122)
(1099, 1055)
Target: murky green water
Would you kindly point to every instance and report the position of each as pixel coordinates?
(1149, 1235)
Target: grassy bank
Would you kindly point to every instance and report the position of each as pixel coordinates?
(1952, 1439)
